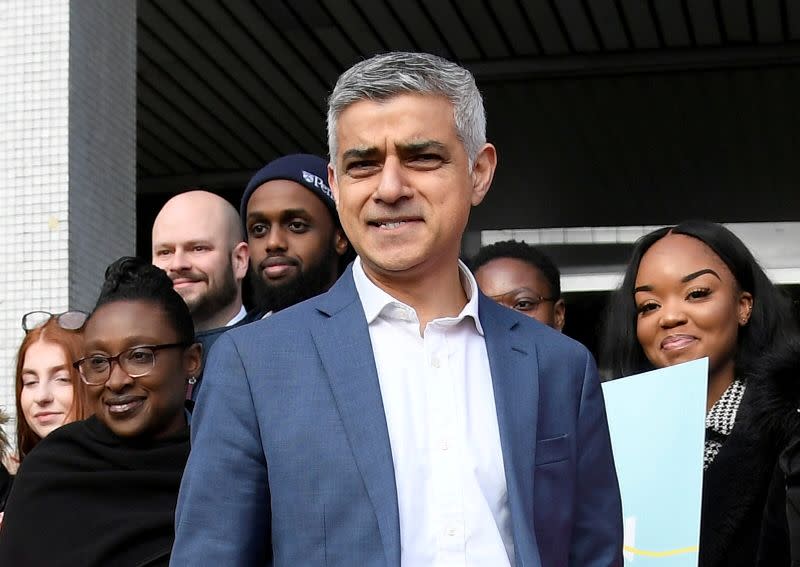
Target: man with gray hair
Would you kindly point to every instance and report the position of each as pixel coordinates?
(401, 418)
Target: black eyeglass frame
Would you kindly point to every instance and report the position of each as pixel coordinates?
(59, 317)
(78, 364)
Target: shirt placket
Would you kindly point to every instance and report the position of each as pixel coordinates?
(447, 476)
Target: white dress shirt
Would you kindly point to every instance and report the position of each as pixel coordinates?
(440, 413)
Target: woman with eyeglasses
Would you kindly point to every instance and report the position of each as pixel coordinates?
(107, 486)
(523, 278)
(691, 291)
(49, 391)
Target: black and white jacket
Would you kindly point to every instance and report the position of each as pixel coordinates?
(744, 519)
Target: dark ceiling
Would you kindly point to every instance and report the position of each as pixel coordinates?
(600, 91)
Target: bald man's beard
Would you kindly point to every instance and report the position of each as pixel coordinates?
(207, 306)
(308, 283)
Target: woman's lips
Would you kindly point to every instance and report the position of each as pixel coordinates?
(123, 406)
(677, 342)
(45, 417)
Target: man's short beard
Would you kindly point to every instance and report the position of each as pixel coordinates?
(207, 306)
(308, 283)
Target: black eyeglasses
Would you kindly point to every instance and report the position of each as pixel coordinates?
(69, 320)
(95, 370)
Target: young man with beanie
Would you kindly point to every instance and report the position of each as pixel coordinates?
(297, 246)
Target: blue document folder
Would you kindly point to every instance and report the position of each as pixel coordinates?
(657, 424)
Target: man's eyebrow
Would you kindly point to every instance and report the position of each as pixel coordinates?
(298, 212)
(699, 273)
(420, 146)
(284, 214)
(360, 153)
(406, 148)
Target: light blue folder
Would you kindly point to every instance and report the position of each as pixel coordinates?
(657, 424)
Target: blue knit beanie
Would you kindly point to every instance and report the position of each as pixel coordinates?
(308, 170)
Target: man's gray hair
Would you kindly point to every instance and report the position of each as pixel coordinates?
(389, 74)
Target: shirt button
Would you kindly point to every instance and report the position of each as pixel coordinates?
(435, 362)
(451, 532)
(443, 445)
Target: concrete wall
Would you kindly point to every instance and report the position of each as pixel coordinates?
(67, 157)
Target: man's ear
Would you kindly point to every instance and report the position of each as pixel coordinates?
(193, 360)
(340, 242)
(483, 172)
(332, 183)
(560, 314)
(240, 257)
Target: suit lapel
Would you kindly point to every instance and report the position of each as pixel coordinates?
(343, 342)
(516, 394)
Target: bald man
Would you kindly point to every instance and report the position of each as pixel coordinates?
(198, 240)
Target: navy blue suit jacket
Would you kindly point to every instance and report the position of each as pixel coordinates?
(291, 462)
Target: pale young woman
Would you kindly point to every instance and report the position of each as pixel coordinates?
(49, 391)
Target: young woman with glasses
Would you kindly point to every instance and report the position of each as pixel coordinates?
(523, 278)
(49, 391)
(691, 291)
(108, 485)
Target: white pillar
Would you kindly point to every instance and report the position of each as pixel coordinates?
(67, 157)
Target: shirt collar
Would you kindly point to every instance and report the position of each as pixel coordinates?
(722, 415)
(376, 301)
(238, 317)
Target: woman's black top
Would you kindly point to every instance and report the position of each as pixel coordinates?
(86, 497)
(6, 480)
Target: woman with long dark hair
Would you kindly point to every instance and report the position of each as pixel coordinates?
(107, 486)
(694, 290)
